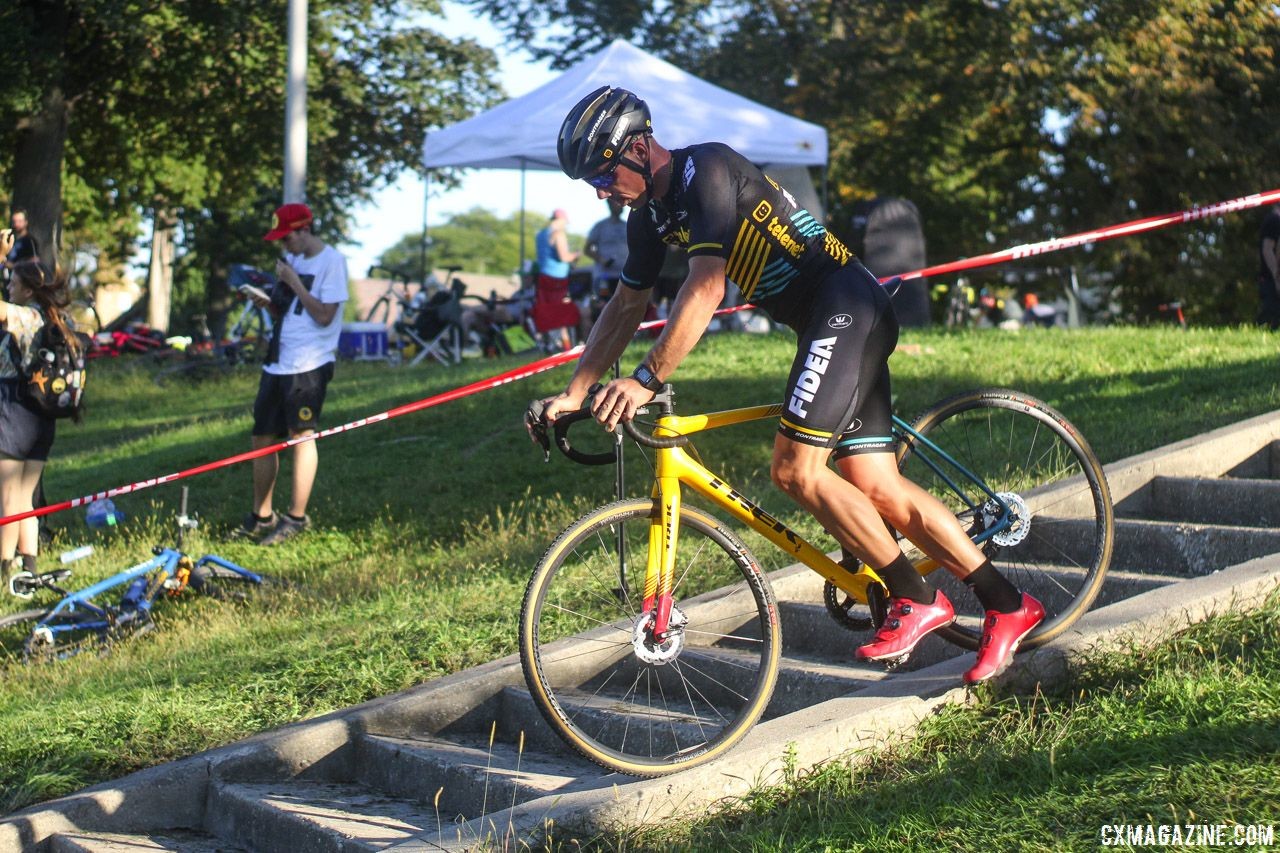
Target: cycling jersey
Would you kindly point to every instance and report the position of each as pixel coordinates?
(786, 262)
(720, 204)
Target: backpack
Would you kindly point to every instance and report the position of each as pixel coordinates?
(53, 377)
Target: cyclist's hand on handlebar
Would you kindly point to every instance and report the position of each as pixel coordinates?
(542, 413)
(618, 401)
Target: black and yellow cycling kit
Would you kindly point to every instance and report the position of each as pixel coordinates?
(787, 263)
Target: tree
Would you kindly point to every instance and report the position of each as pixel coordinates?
(476, 241)
(1004, 121)
(174, 110)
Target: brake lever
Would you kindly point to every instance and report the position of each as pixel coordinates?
(535, 422)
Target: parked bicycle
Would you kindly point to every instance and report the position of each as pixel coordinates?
(245, 342)
(650, 637)
(77, 622)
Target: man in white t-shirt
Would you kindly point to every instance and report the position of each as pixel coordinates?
(306, 305)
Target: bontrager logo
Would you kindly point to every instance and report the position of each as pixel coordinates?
(840, 321)
(811, 378)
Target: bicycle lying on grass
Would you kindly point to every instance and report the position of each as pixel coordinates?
(649, 635)
(77, 623)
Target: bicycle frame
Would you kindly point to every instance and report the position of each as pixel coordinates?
(167, 565)
(674, 467)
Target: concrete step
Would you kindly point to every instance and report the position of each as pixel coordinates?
(186, 842)
(1263, 464)
(458, 778)
(1186, 549)
(1230, 502)
(292, 816)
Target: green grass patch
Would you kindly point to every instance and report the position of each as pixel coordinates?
(1184, 733)
(428, 525)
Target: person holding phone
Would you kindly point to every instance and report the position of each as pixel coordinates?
(306, 305)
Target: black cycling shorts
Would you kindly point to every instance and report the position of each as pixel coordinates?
(838, 393)
(290, 403)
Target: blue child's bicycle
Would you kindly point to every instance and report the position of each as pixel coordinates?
(78, 623)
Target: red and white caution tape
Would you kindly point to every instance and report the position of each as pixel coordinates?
(1125, 229)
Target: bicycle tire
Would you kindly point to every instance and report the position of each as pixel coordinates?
(15, 628)
(225, 584)
(718, 676)
(1020, 445)
(383, 305)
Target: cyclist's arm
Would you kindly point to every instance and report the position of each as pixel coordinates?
(612, 332)
(695, 303)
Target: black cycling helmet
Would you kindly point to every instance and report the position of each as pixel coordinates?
(598, 128)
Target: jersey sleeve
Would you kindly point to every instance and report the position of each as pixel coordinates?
(711, 191)
(645, 253)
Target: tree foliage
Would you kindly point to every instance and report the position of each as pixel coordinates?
(477, 240)
(178, 107)
(1005, 121)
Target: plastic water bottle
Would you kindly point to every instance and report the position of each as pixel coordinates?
(76, 554)
(103, 513)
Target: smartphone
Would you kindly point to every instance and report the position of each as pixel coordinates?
(254, 292)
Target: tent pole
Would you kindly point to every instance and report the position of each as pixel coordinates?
(422, 244)
(521, 272)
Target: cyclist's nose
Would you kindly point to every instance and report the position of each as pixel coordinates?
(604, 194)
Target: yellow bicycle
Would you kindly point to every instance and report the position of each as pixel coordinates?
(650, 637)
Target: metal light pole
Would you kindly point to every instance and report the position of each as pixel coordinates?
(295, 111)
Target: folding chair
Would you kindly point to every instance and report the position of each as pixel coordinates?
(436, 328)
(554, 316)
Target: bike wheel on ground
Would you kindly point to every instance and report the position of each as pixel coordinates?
(599, 680)
(38, 638)
(226, 583)
(1060, 545)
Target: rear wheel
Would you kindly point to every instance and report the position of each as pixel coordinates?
(594, 669)
(224, 583)
(1059, 546)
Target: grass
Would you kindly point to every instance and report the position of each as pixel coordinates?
(1184, 733)
(428, 525)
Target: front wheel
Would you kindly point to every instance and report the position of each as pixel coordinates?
(1058, 545)
(592, 666)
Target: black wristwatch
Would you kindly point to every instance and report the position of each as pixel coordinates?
(645, 377)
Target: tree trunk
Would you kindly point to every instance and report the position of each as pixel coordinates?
(160, 270)
(37, 172)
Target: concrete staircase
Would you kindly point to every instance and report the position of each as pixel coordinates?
(466, 761)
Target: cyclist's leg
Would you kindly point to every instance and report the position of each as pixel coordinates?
(912, 511)
(268, 427)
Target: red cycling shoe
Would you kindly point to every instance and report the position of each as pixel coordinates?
(1001, 634)
(907, 623)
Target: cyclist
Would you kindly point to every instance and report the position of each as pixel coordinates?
(736, 223)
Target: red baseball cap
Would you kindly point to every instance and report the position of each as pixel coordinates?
(288, 217)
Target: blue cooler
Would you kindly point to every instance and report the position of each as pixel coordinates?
(363, 341)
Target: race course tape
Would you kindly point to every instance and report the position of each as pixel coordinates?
(1125, 229)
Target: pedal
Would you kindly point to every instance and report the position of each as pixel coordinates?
(890, 664)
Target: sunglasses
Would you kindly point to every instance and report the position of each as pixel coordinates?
(605, 179)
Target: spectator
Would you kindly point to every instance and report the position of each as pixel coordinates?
(1269, 270)
(306, 304)
(552, 287)
(24, 245)
(26, 436)
(607, 246)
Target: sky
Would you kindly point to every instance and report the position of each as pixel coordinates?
(397, 210)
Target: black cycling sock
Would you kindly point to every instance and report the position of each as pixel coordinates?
(28, 562)
(261, 519)
(297, 518)
(993, 589)
(905, 582)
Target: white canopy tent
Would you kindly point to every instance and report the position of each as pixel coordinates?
(521, 133)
